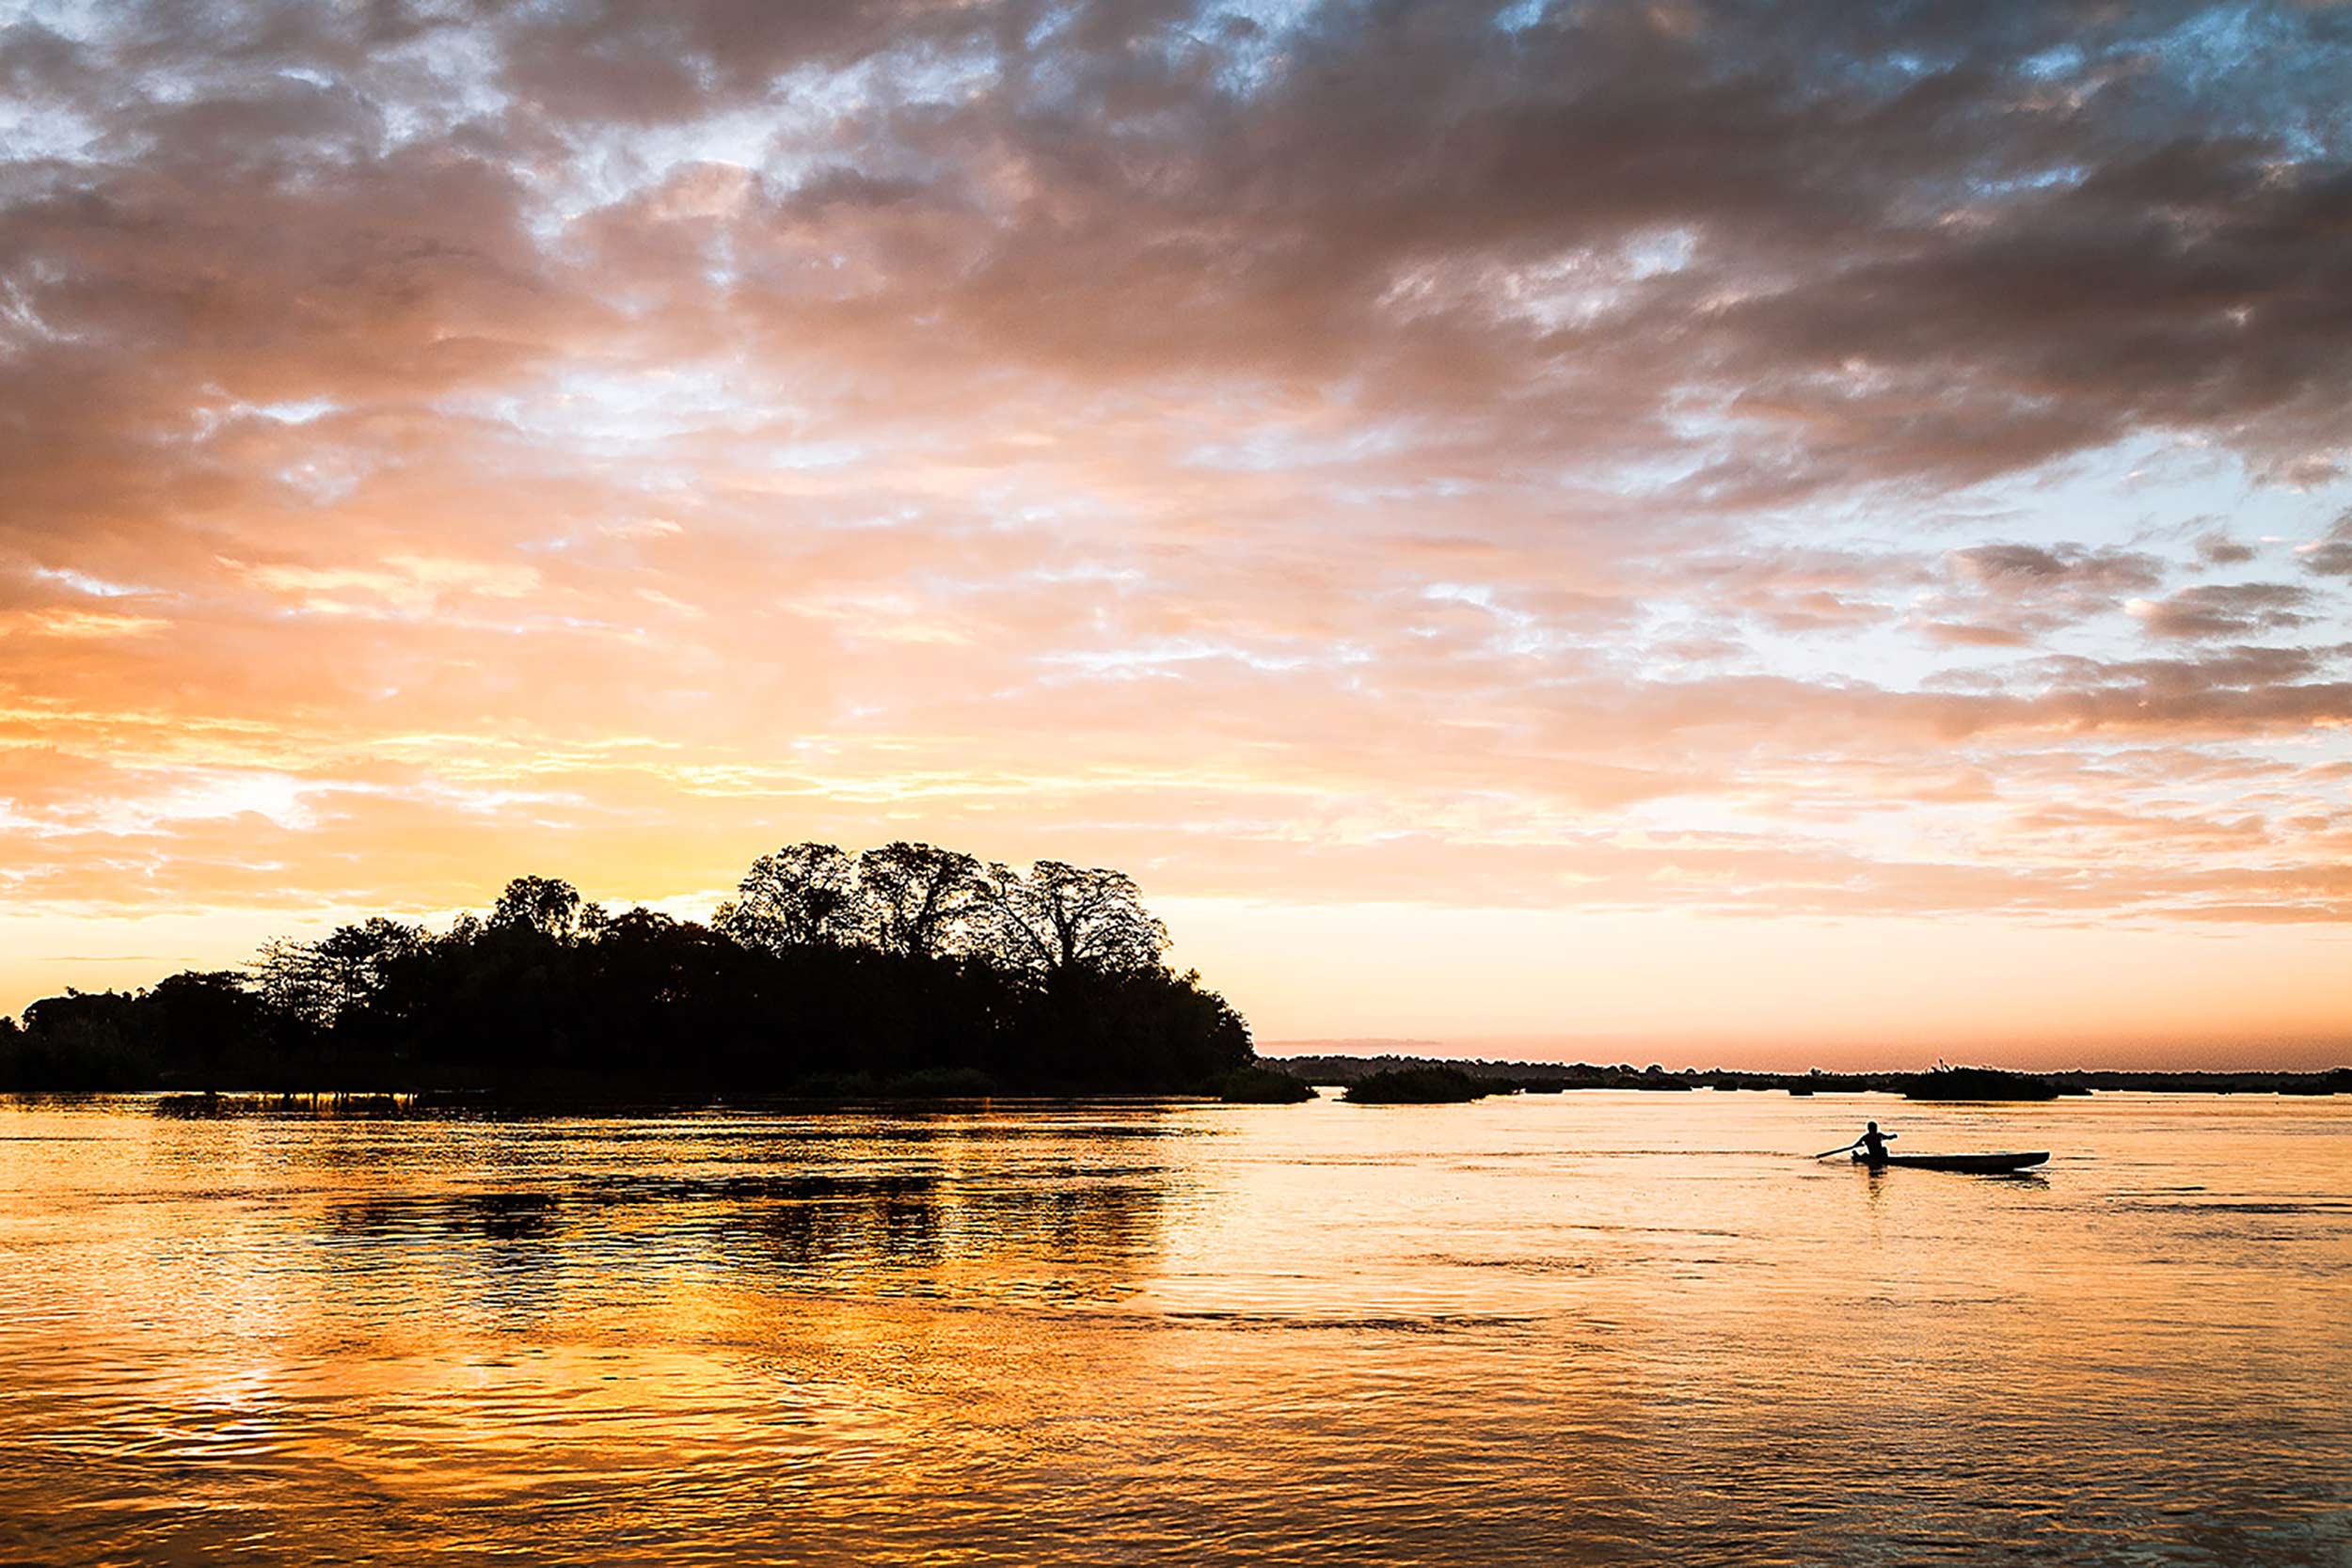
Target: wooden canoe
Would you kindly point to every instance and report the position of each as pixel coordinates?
(1982, 1164)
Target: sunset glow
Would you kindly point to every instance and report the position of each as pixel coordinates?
(1772, 536)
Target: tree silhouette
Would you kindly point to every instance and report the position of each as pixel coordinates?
(917, 897)
(292, 981)
(85, 1040)
(1060, 917)
(205, 1017)
(320, 980)
(907, 969)
(803, 895)
(547, 905)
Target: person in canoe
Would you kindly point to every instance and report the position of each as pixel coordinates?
(1873, 1144)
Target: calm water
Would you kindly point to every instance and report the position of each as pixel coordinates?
(1579, 1328)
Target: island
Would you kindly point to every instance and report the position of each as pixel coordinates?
(1436, 1085)
(903, 971)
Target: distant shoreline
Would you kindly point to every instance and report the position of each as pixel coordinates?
(1544, 1077)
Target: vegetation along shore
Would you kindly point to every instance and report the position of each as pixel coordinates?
(906, 969)
(1954, 1083)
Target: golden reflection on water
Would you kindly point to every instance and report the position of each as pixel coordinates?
(1582, 1328)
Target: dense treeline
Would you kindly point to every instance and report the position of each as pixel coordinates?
(907, 968)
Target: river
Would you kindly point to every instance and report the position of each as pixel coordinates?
(1591, 1327)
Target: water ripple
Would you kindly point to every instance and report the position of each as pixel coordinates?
(1559, 1330)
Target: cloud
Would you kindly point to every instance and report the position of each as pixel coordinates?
(82, 623)
(2014, 594)
(2216, 548)
(2330, 555)
(2022, 571)
(2219, 609)
(405, 584)
(1689, 456)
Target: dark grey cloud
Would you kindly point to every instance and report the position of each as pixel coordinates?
(627, 59)
(1877, 242)
(1954, 272)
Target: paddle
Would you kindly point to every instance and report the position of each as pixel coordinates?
(1827, 1152)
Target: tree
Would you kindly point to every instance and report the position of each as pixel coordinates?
(803, 895)
(84, 1040)
(916, 896)
(293, 981)
(362, 955)
(547, 905)
(320, 981)
(1060, 917)
(205, 1018)
(1128, 1028)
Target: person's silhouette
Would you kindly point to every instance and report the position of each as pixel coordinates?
(1873, 1144)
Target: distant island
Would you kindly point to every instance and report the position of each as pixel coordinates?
(1946, 1083)
(1422, 1085)
(901, 971)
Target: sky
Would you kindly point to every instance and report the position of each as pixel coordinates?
(1775, 534)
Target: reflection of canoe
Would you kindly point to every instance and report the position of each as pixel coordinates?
(1961, 1162)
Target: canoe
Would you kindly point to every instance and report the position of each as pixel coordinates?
(1978, 1163)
